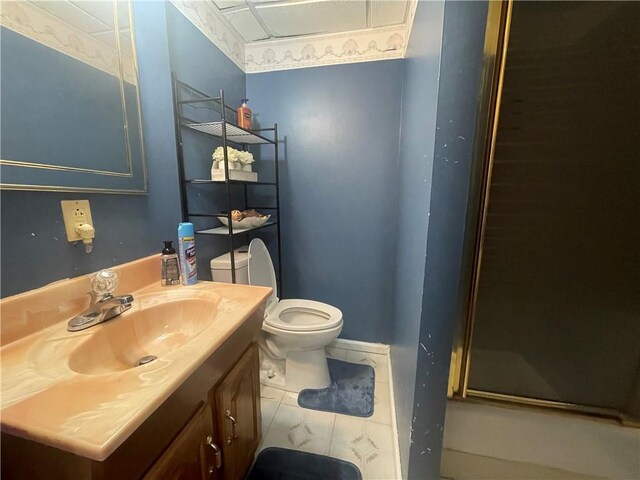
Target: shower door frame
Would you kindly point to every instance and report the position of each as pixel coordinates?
(494, 62)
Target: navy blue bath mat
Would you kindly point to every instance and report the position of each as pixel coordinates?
(350, 392)
(284, 464)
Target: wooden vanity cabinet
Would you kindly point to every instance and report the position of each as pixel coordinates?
(237, 414)
(187, 457)
(220, 441)
(179, 441)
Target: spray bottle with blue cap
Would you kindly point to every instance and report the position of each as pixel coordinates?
(187, 247)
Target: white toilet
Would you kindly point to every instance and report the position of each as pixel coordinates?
(294, 332)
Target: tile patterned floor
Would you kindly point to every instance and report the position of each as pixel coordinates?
(369, 443)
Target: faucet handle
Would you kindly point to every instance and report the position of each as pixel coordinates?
(104, 282)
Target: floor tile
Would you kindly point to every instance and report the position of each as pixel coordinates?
(290, 398)
(268, 409)
(301, 429)
(381, 405)
(378, 361)
(337, 353)
(367, 442)
(373, 464)
(381, 413)
(271, 393)
(381, 392)
(362, 434)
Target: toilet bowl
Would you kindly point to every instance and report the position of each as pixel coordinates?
(294, 332)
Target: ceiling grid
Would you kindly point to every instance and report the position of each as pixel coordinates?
(286, 34)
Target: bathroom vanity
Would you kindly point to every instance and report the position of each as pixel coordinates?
(78, 405)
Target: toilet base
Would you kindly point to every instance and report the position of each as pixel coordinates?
(271, 371)
(307, 369)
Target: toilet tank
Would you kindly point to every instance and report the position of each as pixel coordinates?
(221, 266)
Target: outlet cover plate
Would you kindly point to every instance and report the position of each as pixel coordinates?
(73, 210)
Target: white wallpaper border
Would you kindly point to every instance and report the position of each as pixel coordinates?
(332, 49)
(41, 27)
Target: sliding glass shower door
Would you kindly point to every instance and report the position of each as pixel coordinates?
(557, 295)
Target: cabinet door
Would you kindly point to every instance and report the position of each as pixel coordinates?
(237, 403)
(192, 455)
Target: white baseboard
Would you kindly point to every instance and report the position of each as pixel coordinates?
(359, 346)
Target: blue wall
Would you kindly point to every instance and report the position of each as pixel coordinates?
(339, 185)
(417, 143)
(431, 333)
(34, 246)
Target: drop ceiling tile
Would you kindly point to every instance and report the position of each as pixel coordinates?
(247, 25)
(107, 37)
(123, 14)
(313, 17)
(77, 17)
(384, 13)
(102, 11)
(223, 4)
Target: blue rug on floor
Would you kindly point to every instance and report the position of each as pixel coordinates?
(284, 464)
(350, 392)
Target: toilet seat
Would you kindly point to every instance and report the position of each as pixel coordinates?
(290, 315)
(303, 316)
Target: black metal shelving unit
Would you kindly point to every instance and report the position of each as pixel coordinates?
(227, 132)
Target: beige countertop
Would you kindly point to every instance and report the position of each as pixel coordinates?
(45, 400)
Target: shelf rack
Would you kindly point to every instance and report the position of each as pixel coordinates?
(226, 131)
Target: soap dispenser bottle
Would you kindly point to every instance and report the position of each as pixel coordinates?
(170, 265)
(244, 115)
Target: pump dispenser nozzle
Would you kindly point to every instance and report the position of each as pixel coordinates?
(168, 248)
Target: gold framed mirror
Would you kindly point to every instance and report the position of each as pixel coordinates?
(71, 117)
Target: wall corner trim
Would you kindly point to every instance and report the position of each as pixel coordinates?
(210, 22)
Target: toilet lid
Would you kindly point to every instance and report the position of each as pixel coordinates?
(261, 272)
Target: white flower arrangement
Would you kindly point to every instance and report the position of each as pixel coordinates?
(233, 155)
(245, 158)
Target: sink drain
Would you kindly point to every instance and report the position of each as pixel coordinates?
(146, 359)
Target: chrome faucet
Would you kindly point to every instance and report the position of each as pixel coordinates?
(104, 306)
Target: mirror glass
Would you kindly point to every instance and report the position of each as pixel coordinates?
(70, 113)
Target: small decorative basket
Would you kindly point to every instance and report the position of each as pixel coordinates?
(248, 222)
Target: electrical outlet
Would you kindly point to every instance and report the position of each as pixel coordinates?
(75, 212)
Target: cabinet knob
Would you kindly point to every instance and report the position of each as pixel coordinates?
(234, 424)
(216, 454)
